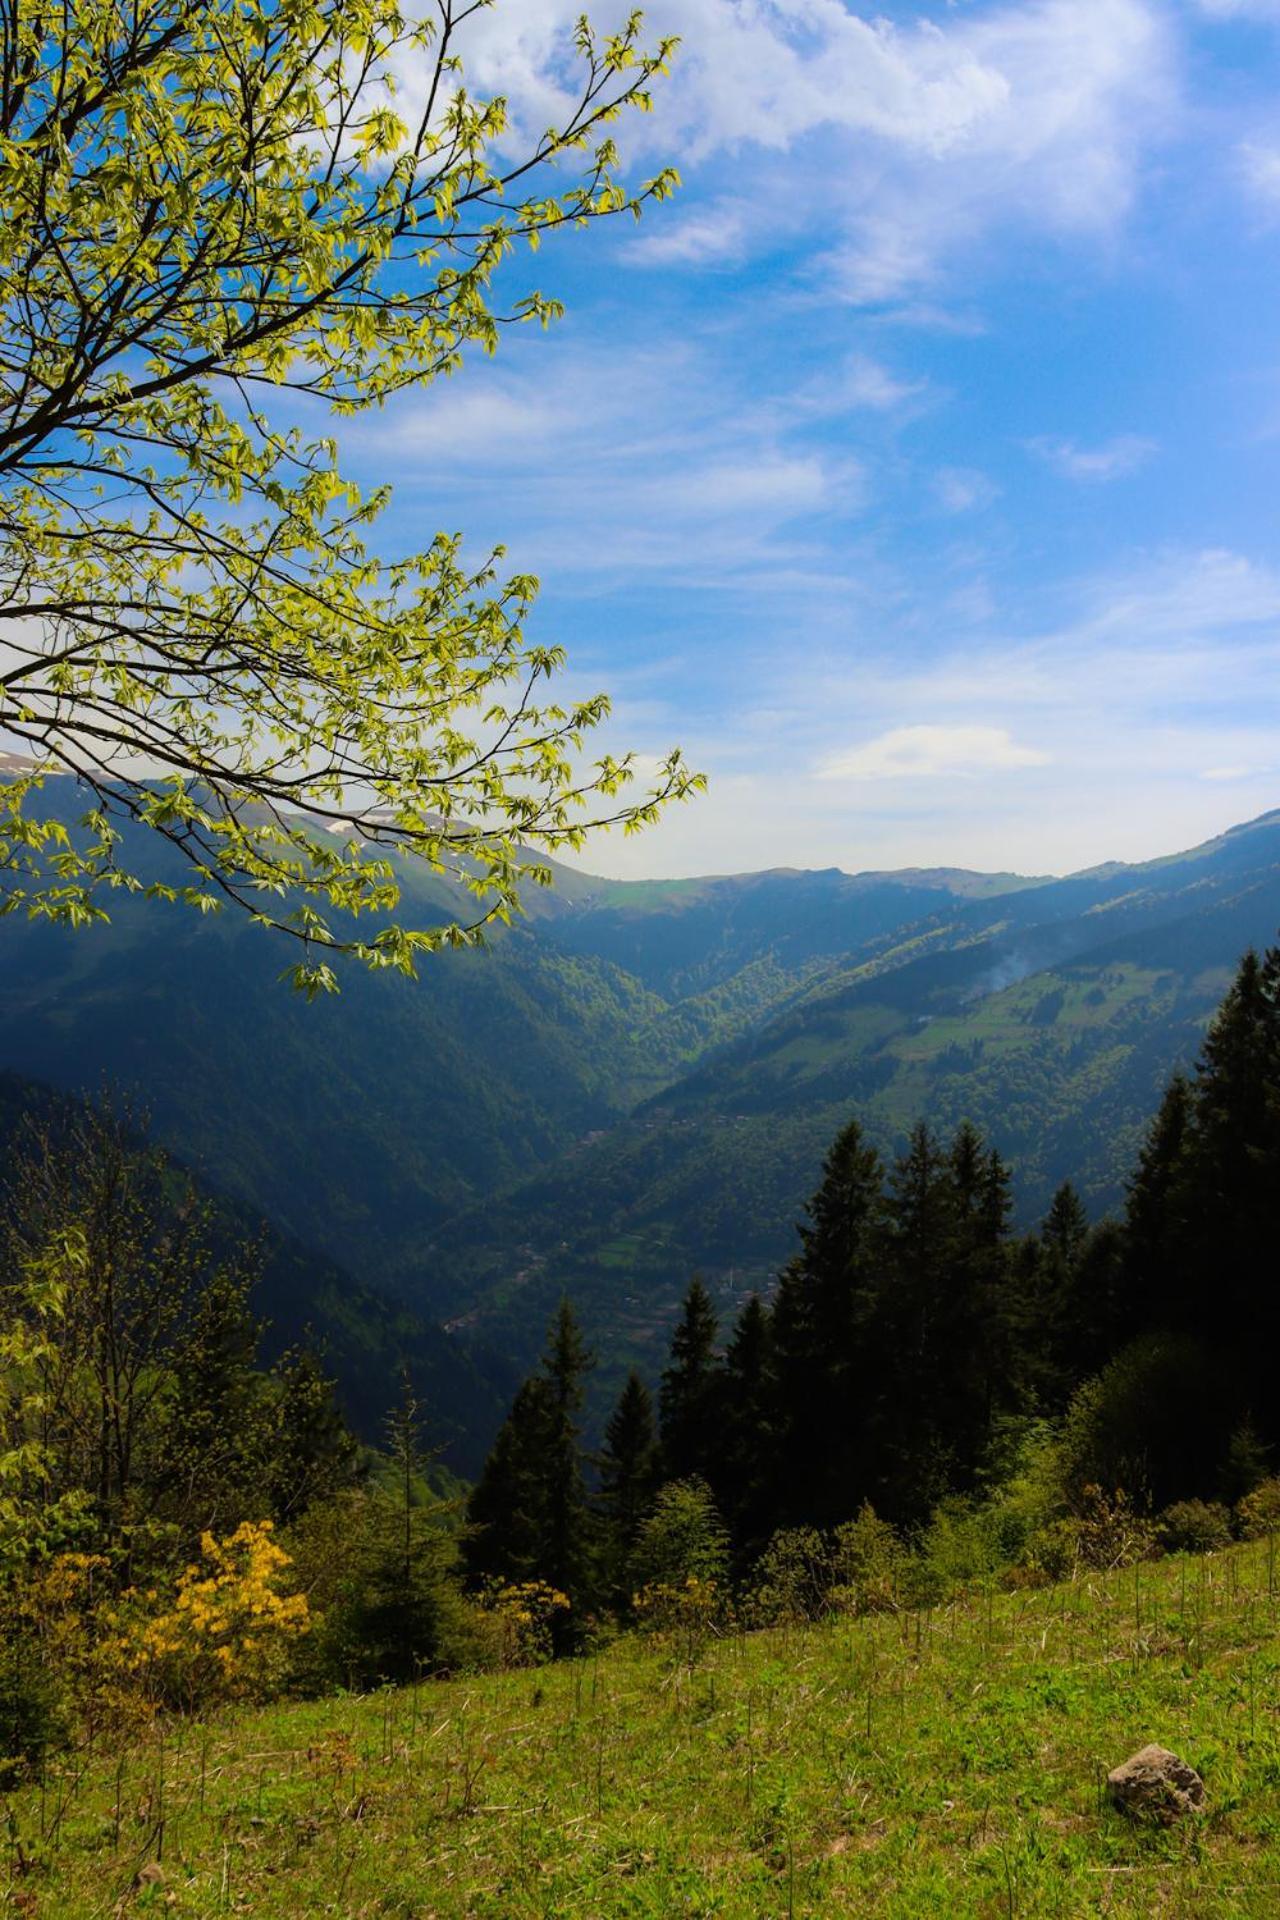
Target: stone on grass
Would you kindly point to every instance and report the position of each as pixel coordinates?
(1156, 1785)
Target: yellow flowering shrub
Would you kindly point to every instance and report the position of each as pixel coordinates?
(522, 1615)
(687, 1612)
(227, 1629)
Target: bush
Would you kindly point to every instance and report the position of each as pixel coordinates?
(683, 1537)
(791, 1581)
(383, 1609)
(870, 1564)
(1157, 1421)
(1258, 1514)
(1194, 1526)
(33, 1715)
(227, 1631)
(522, 1618)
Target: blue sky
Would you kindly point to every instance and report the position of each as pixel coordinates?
(916, 468)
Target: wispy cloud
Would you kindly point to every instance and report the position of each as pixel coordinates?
(964, 489)
(929, 133)
(1260, 169)
(713, 236)
(931, 753)
(1110, 461)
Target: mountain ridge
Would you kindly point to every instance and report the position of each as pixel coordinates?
(641, 1077)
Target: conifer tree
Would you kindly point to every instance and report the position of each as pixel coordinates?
(1158, 1254)
(1233, 1167)
(528, 1512)
(1051, 1333)
(629, 1479)
(506, 1512)
(688, 1397)
(939, 1320)
(313, 1453)
(821, 1327)
(746, 1475)
(568, 1553)
(1066, 1225)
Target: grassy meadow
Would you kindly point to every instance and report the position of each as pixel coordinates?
(943, 1762)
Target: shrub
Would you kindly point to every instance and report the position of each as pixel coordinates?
(523, 1618)
(683, 1537)
(687, 1612)
(1194, 1526)
(385, 1597)
(792, 1579)
(1157, 1420)
(226, 1633)
(870, 1564)
(33, 1710)
(1258, 1514)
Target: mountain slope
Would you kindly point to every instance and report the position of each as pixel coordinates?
(642, 1077)
(365, 1338)
(361, 1124)
(1050, 1017)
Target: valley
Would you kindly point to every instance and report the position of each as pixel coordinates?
(639, 1079)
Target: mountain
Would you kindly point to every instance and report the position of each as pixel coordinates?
(1050, 1015)
(364, 1337)
(641, 1078)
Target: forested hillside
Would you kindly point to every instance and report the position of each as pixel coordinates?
(297, 1296)
(640, 1079)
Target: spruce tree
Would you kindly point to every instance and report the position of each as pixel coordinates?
(746, 1476)
(688, 1397)
(1233, 1159)
(568, 1553)
(824, 1365)
(507, 1509)
(1160, 1259)
(947, 1214)
(1066, 1225)
(528, 1513)
(1052, 1333)
(629, 1479)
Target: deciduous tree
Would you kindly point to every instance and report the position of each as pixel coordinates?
(219, 220)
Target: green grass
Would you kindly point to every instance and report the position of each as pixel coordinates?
(946, 1763)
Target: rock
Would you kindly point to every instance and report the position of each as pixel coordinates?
(1155, 1785)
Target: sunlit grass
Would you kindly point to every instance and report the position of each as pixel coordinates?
(948, 1762)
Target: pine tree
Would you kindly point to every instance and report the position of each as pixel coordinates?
(1233, 1159)
(506, 1512)
(688, 1397)
(528, 1513)
(938, 1321)
(313, 1452)
(980, 1322)
(1066, 1226)
(1051, 1334)
(1160, 1261)
(823, 1361)
(569, 1550)
(746, 1476)
(629, 1479)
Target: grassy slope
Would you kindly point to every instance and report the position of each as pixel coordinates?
(947, 1763)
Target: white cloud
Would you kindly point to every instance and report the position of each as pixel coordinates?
(1260, 167)
(715, 235)
(1240, 9)
(930, 132)
(776, 483)
(964, 489)
(865, 383)
(1111, 461)
(930, 753)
